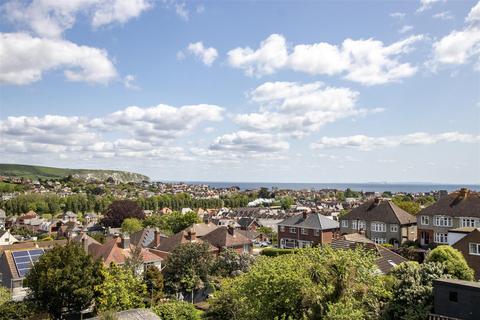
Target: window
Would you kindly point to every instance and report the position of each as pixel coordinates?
(443, 221)
(317, 232)
(453, 296)
(394, 228)
(440, 237)
(354, 224)
(304, 231)
(345, 223)
(425, 220)
(474, 248)
(293, 230)
(378, 227)
(361, 225)
(380, 240)
(469, 222)
(282, 229)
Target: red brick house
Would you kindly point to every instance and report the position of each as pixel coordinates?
(306, 230)
(469, 246)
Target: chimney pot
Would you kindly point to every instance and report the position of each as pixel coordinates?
(156, 240)
(231, 230)
(125, 241)
(304, 214)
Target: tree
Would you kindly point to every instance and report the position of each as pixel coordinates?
(5, 295)
(173, 222)
(63, 280)
(453, 262)
(120, 290)
(154, 280)
(286, 202)
(412, 292)
(173, 310)
(230, 263)
(131, 225)
(134, 262)
(21, 310)
(120, 210)
(264, 193)
(310, 284)
(187, 268)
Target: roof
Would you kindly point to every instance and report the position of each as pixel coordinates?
(380, 210)
(252, 235)
(32, 244)
(134, 314)
(112, 251)
(386, 259)
(145, 237)
(204, 228)
(457, 204)
(245, 222)
(221, 237)
(177, 239)
(462, 230)
(455, 282)
(85, 239)
(312, 221)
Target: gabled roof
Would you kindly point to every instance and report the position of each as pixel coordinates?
(204, 228)
(461, 203)
(112, 251)
(179, 238)
(312, 221)
(380, 210)
(221, 237)
(145, 237)
(246, 222)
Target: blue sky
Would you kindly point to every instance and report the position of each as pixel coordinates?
(287, 91)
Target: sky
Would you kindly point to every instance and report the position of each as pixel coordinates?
(244, 91)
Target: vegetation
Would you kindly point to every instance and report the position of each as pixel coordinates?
(120, 210)
(453, 262)
(273, 252)
(153, 278)
(131, 225)
(230, 263)
(63, 279)
(175, 310)
(173, 222)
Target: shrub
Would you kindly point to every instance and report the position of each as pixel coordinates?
(177, 310)
(274, 252)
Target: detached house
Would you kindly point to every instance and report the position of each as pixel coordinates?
(459, 209)
(469, 246)
(381, 221)
(306, 230)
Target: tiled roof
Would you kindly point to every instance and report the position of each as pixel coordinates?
(112, 251)
(384, 211)
(204, 228)
(456, 204)
(221, 238)
(145, 237)
(312, 221)
(181, 237)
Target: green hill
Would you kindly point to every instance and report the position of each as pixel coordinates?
(37, 172)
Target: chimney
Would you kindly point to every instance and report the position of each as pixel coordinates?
(304, 214)
(206, 218)
(156, 237)
(463, 192)
(192, 235)
(125, 241)
(231, 229)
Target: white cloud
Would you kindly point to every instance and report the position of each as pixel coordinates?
(405, 29)
(50, 18)
(206, 55)
(368, 62)
(245, 141)
(23, 60)
(426, 4)
(397, 15)
(298, 109)
(445, 15)
(129, 82)
(367, 143)
(474, 14)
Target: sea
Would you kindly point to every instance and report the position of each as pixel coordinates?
(372, 187)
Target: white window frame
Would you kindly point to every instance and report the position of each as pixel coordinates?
(293, 230)
(469, 222)
(378, 240)
(474, 249)
(304, 231)
(317, 232)
(394, 228)
(378, 227)
(354, 224)
(282, 228)
(439, 237)
(362, 225)
(344, 223)
(442, 221)
(424, 220)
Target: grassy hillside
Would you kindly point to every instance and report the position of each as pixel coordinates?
(37, 172)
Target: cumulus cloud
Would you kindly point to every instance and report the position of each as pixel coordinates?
(367, 143)
(427, 4)
(405, 29)
(445, 15)
(474, 14)
(245, 141)
(298, 109)
(23, 60)
(129, 82)
(204, 54)
(368, 62)
(50, 18)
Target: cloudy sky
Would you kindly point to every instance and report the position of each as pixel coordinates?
(278, 91)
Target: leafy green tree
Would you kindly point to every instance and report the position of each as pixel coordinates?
(187, 268)
(173, 222)
(412, 293)
(286, 202)
(120, 290)
(154, 280)
(310, 284)
(21, 310)
(5, 295)
(131, 225)
(177, 310)
(264, 193)
(453, 262)
(63, 280)
(230, 263)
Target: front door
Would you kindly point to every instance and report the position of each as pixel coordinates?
(424, 238)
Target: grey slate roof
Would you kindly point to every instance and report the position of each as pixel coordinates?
(456, 205)
(383, 211)
(134, 314)
(312, 221)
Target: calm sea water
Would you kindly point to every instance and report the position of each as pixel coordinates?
(376, 187)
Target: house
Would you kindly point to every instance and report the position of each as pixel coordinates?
(188, 235)
(469, 246)
(229, 238)
(118, 249)
(385, 259)
(6, 238)
(147, 238)
(27, 216)
(457, 210)
(90, 218)
(382, 221)
(69, 216)
(202, 229)
(247, 223)
(306, 230)
(455, 299)
(3, 218)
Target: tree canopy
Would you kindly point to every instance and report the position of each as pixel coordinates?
(453, 262)
(131, 225)
(174, 310)
(120, 210)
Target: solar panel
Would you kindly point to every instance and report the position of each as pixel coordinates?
(25, 259)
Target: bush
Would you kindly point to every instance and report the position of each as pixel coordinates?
(177, 310)
(453, 262)
(274, 252)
